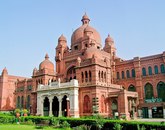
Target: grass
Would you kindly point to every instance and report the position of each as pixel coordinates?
(24, 127)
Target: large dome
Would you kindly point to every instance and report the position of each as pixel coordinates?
(78, 34)
(46, 64)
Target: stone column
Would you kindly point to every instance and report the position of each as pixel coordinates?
(50, 107)
(74, 102)
(150, 113)
(42, 106)
(163, 112)
(60, 104)
(68, 107)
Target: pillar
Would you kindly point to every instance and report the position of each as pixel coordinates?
(163, 112)
(50, 107)
(68, 107)
(150, 113)
(60, 104)
(42, 110)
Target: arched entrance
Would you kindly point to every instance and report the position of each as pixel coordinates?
(64, 106)
(46, 106)
(55, 106)
(114, 108)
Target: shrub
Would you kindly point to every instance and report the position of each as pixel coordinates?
(83, 127)
(65, 124)
(55, 122)
(17, 110)
(25, 111)
(7, 119)
(117, 126)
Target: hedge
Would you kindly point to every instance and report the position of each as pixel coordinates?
(107, 124)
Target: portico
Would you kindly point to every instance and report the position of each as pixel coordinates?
(58, 99)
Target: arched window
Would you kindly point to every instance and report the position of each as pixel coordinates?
(133, 73)
(41, 81)
(103, 105)
(128, 74)
(86, 76)
(105, 76)
(156, 69)
(71, 73)
(99, 75)
(161, 90)
(102, 75)
(28, 102)
(122, 75)
(148, 91)
(118, 75)
(149, 70)
(162, 68)
(86, 104)
(132, 88)
(90, 76)
(82, 77)
(22, 102)
(143, 71)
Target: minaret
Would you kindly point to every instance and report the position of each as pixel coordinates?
(60, 49)
(110, 47)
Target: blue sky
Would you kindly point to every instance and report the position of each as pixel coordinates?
(30, 28)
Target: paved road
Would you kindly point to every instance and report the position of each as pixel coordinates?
(151, 120)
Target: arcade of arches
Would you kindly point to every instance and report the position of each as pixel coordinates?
(58, 99)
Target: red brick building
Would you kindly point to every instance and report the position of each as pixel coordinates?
(107, 84)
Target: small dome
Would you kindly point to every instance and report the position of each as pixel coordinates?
(85, 17)
(62, 38)
(46, 64)
(109, 39)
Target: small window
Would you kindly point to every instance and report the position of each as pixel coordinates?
(143, 71)
(156, 69)
(128, 74)
(133, 73)
(118, 75)
(149, 70)
(122, 74)
(98, 47)
(86, 45)
(75, 47)
(162, 68)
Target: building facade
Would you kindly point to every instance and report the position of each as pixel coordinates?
(90, 79)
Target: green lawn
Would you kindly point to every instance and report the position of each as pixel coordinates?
(23, 127)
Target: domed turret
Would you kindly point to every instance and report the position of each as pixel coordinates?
(4, 72)
(79, 33)
(85, 19)
(62, 41)
(62, 38)
(109, 39)
(46, 64)
(34, 71)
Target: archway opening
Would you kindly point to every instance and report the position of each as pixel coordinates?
(55, 106)
(114, 108)
(64, 106)
(46, 106)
